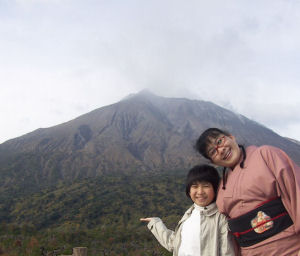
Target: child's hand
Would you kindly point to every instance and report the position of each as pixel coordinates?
(145, 219)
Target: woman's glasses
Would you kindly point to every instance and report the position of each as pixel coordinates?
(213, 151)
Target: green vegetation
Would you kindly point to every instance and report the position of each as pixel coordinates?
(99, 213)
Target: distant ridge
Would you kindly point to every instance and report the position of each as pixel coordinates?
(143, 132)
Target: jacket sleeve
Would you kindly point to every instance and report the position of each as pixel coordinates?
(164, 235)
(287, 175)
(228, 246)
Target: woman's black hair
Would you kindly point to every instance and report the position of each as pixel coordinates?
(200, 173)
(205, 139)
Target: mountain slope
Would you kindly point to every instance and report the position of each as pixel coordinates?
(143, 132)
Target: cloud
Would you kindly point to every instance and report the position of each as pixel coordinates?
(69, 57)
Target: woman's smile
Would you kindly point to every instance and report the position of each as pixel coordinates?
(228, 154)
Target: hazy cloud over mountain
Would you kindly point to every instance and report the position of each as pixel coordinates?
(63, 58)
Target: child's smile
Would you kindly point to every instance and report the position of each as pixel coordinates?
(202, 193)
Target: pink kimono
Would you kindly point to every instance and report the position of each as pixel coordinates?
(268, 172)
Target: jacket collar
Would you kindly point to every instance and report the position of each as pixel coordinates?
(206, 211)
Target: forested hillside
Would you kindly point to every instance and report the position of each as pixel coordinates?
(101, 214)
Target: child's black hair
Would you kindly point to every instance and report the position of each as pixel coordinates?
(200, 173)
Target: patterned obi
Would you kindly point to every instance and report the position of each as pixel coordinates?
(266, 220)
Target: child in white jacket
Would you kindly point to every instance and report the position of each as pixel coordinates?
(202, 230)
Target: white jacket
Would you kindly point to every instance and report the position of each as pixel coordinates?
(215, 237)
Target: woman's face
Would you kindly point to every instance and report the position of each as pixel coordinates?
(224, 151)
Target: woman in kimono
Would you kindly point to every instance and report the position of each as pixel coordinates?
(259, 193)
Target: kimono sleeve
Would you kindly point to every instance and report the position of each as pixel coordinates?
(287, 175)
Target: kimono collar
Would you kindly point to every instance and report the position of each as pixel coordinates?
(241, 163)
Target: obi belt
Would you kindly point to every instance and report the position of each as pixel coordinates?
(266, 220)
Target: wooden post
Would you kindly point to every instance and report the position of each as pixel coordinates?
(80, 251)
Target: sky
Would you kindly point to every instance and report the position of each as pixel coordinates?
(60, 59)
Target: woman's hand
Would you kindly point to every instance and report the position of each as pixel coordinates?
(145, 219)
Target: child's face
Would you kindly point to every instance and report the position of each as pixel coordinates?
(202, 193)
